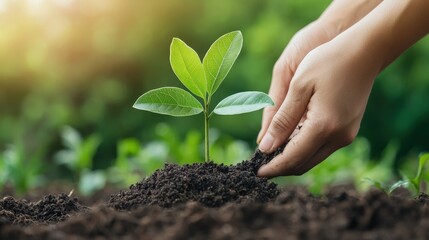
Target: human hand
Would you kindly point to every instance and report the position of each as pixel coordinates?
(330, 89)
(308, 38)
(339, 16)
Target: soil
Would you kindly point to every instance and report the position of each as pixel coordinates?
(50, 209)
(209, 201)
(210, 184)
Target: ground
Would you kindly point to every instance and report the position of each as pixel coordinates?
(209, 201)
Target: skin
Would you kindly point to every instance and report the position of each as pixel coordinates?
(325, 75)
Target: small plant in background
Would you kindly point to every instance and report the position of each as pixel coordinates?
(78, 157)
(202, 79)
(3, 175)
(20, 172)
(414, 185)
(133, 161)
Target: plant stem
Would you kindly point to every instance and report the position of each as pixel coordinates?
(206, 134)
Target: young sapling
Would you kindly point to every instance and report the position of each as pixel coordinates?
(202, 79)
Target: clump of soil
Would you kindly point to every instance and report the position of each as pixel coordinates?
(210, 184)
(50, 209)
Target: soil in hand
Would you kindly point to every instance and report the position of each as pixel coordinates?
(50, 209)
(209, 184)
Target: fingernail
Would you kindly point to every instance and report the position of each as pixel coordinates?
(266, 143)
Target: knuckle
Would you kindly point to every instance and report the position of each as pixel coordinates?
(281, 121)
(298, 85)
(279, 67)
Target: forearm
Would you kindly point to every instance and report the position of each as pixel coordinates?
(342, 14)
(390, 29)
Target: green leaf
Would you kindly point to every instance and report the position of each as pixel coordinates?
(399, 184)
(423, 158)
(220, 58)
(169, 101)
(242, 103)
(375, 183)
(187, 66)
(91, 181)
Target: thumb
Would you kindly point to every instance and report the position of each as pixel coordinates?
(287, 118)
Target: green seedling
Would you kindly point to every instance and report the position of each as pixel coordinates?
(202, 79)
(78, 158)
(21, 172)
(412, 184)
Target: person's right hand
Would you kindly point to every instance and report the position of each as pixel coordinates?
(308, 38)
(339, 16)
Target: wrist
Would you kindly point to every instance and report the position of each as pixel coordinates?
(342, 14)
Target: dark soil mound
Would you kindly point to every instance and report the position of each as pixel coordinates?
(50, 209)
(210, 184)
(341, 213)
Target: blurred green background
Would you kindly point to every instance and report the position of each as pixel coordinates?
(84, 63)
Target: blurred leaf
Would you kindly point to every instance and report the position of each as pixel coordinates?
(126, 147)
(152, 157)
(87, 151)
(170, 101)
(71, 137)
(79, 152)
(220, 57)
(188, 68)
(91, 181)
(20, 171)
(423, 158)
(399, 184)
(375, 183)
(242, 103)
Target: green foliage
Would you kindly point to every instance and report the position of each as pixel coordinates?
(187, 66)
(170, 101)
(134, 161)
(242, 103)
(21, 172)
(413, 184)
(79, 152)
(203, 80)
(44, 84)
(219, 59)
(78, 157)
(3, 175)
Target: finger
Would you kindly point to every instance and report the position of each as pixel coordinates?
(286, 118)
(282, 74)
(323, 153)
(296, 154)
